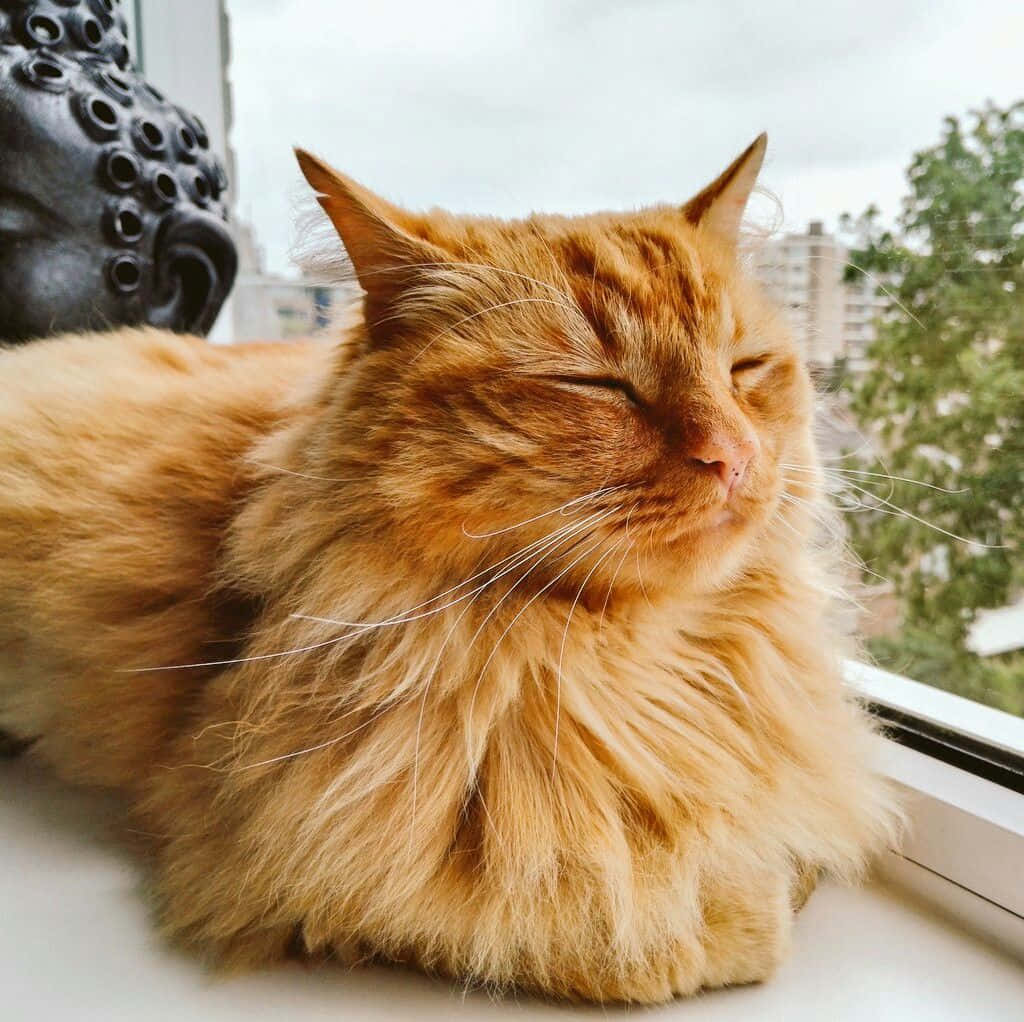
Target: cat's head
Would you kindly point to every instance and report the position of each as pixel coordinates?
(616, 376)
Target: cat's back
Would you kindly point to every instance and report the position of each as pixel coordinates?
(120, 429)
(123, 457)
(75, 406)
(112, 377)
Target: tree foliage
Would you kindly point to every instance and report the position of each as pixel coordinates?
(943, 401)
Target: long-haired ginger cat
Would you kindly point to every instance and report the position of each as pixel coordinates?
(493, 639)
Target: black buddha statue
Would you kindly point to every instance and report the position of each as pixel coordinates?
(111, 203)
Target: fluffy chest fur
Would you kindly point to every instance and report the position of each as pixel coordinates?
(483, 785)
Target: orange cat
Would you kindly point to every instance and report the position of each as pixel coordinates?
(493, 640)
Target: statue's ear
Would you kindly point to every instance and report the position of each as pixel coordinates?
(387, 257)
(720, 206)
(195, 266)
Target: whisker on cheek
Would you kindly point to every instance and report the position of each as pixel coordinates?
(841, 473)
(611, 584)
(562, 509)
(360, 628)
(406, 618)
(561, 650)
(640, 579)
(875, 503)
(529, 603)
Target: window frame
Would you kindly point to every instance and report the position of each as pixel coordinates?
(961, 732)
(955, 763)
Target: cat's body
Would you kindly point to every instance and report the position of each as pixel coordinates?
(112, 528)
(536, 730)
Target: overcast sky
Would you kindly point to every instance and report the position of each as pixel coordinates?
(508, 106)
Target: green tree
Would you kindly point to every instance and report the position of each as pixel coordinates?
(943, 401)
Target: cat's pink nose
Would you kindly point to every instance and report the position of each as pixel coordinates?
(727, 455)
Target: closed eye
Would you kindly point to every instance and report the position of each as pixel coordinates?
(746, 365)
(608, 383)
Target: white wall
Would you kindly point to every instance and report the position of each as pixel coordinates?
(182, 47)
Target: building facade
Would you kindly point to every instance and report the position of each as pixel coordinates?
(831, 318)
(269, 307)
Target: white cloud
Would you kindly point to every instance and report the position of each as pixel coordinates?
(504, 106)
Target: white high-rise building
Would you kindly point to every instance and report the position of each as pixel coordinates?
(270, 307)
(830, 317)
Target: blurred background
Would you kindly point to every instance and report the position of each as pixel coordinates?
(897, 154)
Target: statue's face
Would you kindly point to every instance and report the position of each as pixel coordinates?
(110, 201)
(54, 255)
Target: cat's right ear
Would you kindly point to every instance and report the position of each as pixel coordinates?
(387, 258)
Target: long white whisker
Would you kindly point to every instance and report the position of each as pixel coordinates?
(561, 650)
(547, 514)
(359, 627)
(522, 610)
(857, 565)
(322, 745)
(842, 472)
(563, 535)
(408, 616)
(628, 517)
(300, 475)
(878, 284)
(888, 294)
(485, 571)
(611, 585)
(515, 585)
(640, 578)
(841, 501)
(903, 512)
(339, 738)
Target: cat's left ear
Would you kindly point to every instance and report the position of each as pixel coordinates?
(387, 257)
(719, 208)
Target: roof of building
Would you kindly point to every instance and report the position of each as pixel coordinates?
(997, 631)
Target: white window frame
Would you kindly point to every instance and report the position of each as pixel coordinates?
(963, 850)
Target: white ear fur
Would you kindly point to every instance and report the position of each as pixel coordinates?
(380, 247)
(720, 206)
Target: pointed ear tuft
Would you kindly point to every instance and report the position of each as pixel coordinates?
(386, 256)
(720, 206)
(315, 171)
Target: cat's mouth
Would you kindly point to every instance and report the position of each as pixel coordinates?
(719, 524)
(712, 527)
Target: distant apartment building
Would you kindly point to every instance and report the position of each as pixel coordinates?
(271, 307)
(831, 318)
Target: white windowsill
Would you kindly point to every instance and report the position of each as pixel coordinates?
(76, 944)
(964, 846)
